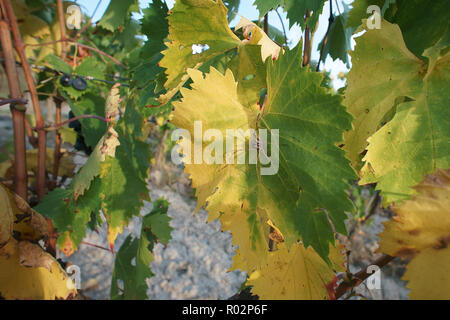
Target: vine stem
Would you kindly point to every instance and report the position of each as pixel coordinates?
(58, 99)
(360, 276)
(71, 41)
(59, 125)
(282, 25)
(18, 114)
(42, 135)
(13, 101)
(307, 50)
(62, 29)
(325, 39)
(95, 246)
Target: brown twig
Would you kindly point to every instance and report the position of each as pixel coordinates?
(59, 125)
(307, 50)
(325, 39)
(13, 101)
(42, 135)
(95, 246)
(266, 23)
(18, 114)
(62, 29)
(9, 155)
(71, 41)
(57, 150)
(58, 99)
(356, 279)
(373, 205)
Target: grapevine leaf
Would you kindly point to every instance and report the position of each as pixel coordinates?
(296, 10)
(57, 64)
(92, 129)
(28, 272)
(423, 23)
(202, 22)
(420, 232)
(339, 39)
(66, 164)
(70, 218)
(154, 21)
(105, 147)
(255, 35)
(132, 264)
(112, 106)
(414, 142)
(309, 160)
(6, 216)
(296, 274)
(383, 70)
(250, 72)
(359, 11)
(117, 13)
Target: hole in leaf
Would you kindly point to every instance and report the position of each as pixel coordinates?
(199, 48)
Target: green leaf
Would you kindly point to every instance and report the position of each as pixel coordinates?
(105, 147)
(92, 129)
(312, 170)
(57, 64)
(359, 11)
(195, 22)
(132, 264)
(423, 23)
(158, 221)
(69, 217)
(339, 39)
(416, 140)
(296, 10)
(249, 70)
(154, 21)
(117, 13)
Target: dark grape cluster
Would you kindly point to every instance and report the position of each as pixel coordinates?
(80, 143)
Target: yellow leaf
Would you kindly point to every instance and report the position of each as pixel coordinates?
(6, 216)
(255, 35)
(36, 282)
(297, 274)
(112, 235)
(66, 164)
(421, 231)
(66, 244)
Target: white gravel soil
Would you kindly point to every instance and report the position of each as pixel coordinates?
(194, 264)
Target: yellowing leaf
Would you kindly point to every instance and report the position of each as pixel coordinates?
(105, 147)
(66, 244)
(6, 216)
(18, 281)
(400, 105)
(255, 35)
(194, 22)
(66, 164)
(312, 172)
(112, 102)
(421, 231)
(297, 274)
(28, 224)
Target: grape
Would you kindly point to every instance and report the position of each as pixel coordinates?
(65, 80)
(79, 83)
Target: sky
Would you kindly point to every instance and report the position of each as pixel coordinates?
(246, 9)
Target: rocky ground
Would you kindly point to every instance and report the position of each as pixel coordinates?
(195, 262)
